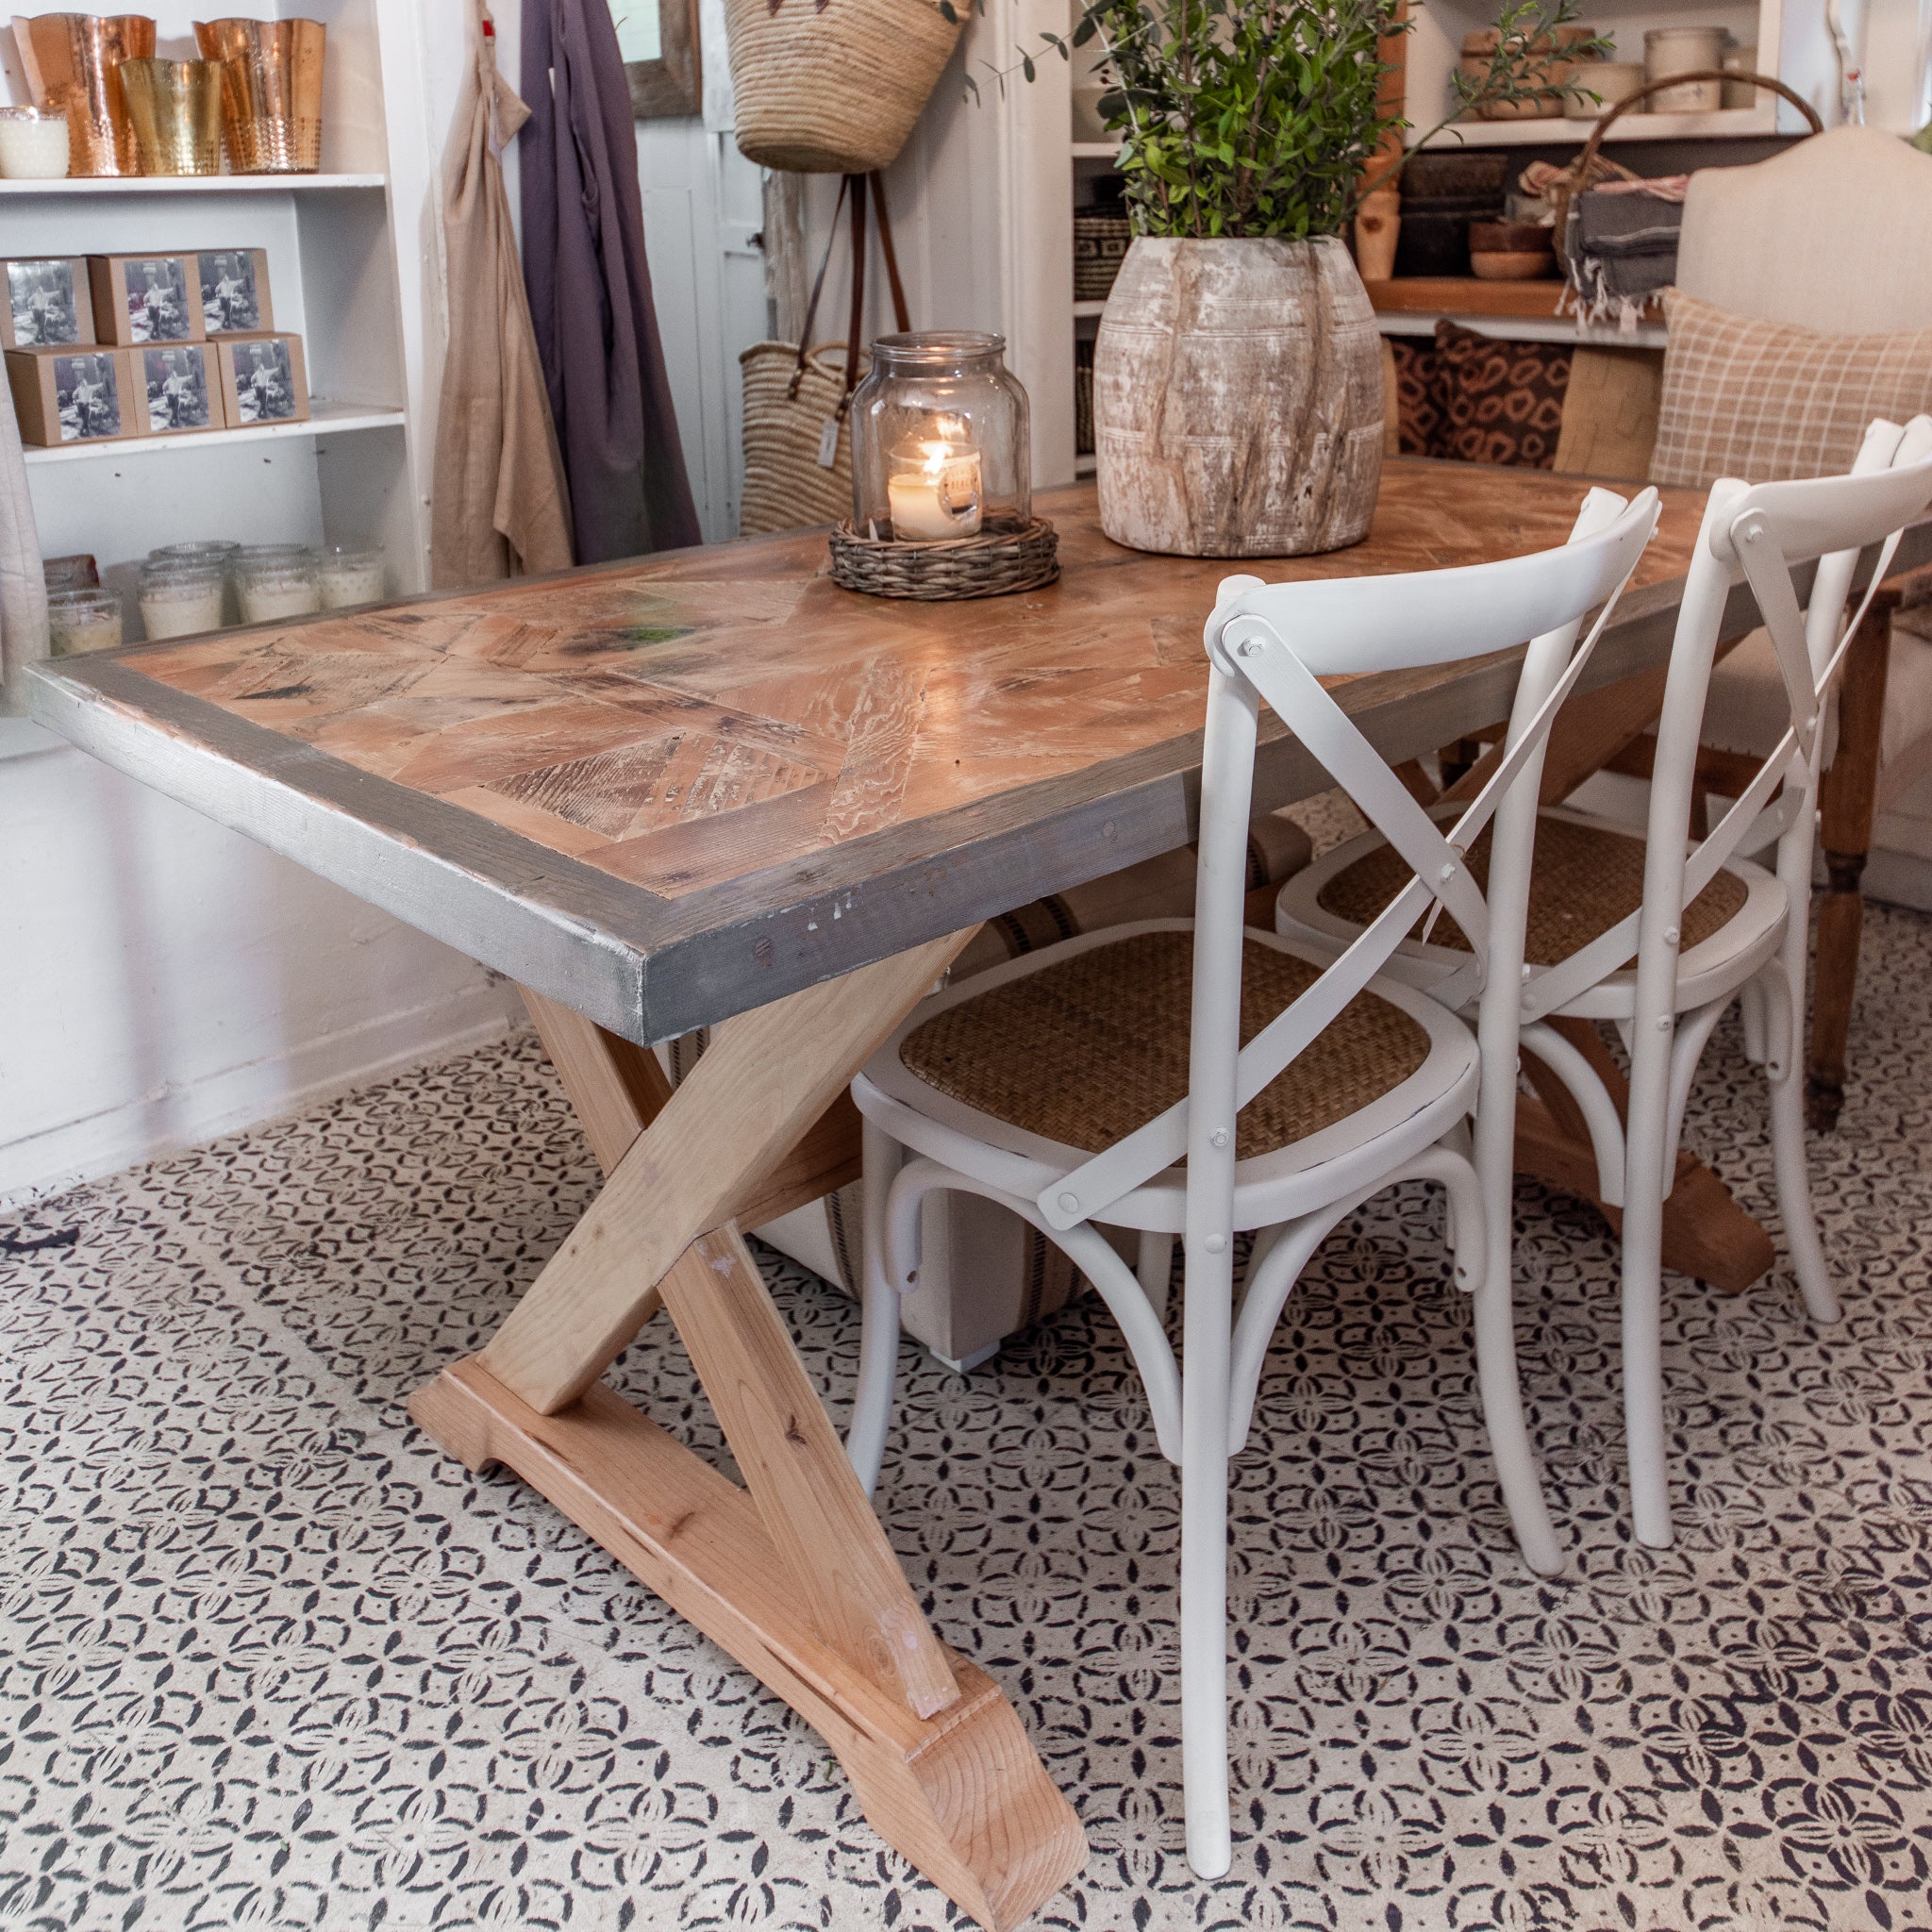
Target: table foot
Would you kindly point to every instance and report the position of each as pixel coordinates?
(962, 1795)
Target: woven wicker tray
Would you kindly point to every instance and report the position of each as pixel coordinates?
(1012, 556)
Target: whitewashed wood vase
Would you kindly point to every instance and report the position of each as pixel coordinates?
(1238, 399)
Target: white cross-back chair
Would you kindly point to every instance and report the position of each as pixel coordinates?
(1069, 1083)
(1704, 926)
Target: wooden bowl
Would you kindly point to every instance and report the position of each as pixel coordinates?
(1510, 251)
(1511, 265)
(1511, 238)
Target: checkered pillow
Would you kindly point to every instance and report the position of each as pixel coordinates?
(1767, 400)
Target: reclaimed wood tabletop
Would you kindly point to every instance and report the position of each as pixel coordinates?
(671, 789)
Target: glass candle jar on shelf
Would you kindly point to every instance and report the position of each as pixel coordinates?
(940, 440)
(33, 143)
(350, 573)
(217, 554)
(179, 598)
(83, 621)
(276, 580)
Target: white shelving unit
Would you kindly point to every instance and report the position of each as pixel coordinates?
(345, 475)
(118, 188)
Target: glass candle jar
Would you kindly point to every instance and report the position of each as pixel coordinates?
(178, 599)
(940, 445)
(349, 575)
(33, 143)
(214, 553)
(83, 621)
(276, 580)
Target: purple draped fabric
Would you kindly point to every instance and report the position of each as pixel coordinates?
(590, 288)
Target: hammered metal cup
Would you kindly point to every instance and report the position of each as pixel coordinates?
(73, 63)
(176, 110)
(270, 91)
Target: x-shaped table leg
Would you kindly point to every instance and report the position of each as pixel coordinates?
(791, 1575)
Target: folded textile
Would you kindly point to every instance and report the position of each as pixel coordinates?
(1621, 248)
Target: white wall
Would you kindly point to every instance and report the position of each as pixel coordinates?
(166, 981)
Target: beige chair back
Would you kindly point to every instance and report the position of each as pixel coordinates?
(1829, 235)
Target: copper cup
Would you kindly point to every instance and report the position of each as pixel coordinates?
(176, 110)
(270, 91)
(73, 63)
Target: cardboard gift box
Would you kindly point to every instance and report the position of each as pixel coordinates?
(264, 380)
(233, 292)
(145, 298)
(176, 389)
(66, 395)
(48, 302)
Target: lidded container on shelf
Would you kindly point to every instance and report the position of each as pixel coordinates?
(180, 597)
(348, 574)
(83, 621)
(276, 580)
(941, 443)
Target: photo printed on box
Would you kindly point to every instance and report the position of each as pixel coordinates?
(176, 383)
(45, 309)
(157, 292)
(264, 381)
(86, 396)
(229, 301)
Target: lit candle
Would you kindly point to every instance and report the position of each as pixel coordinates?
(934, 492)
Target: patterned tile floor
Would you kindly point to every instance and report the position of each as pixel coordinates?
(266, 1660)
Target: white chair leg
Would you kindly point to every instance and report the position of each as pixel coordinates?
(1481, 1236)
(1750, 1011)
(1790, 1163)
(1154, 1269)
(1644, 1215)
(878, 1351)
(1204, 1563)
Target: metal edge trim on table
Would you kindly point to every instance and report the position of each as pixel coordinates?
(546, 921)
(650, 966)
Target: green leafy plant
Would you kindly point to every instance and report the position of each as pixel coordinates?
(1264, 117)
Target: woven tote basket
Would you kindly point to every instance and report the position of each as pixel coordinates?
(784, 487)
(833, 87)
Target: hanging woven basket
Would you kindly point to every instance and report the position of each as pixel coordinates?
(833, 87)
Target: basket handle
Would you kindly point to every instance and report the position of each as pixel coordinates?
(854, 185)
(1653, 86)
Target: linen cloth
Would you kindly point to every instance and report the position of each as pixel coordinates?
(1769, 400)
(23, 588)
(500, 507)
(590, 288)
(1622, 246)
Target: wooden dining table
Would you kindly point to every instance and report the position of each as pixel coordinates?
(709, 788)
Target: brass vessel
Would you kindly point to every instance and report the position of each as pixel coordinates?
(73, 62)
(270, 91)
(176, 110)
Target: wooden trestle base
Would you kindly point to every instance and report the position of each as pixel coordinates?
(791, 1575)
(961, 1793)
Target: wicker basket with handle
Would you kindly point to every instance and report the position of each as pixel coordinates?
(833, 87)
(1576, 178)
(797, 442)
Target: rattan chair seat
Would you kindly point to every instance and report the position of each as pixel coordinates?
(1092, 1045)
(1587, 877)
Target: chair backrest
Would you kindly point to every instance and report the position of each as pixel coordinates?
(1829, 235)
(1766, 531)
(1274, 643)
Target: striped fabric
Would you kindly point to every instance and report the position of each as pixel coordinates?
(1767, 401)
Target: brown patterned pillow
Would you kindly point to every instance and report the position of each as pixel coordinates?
(1503, 401)
(1419, 420)
(1768, 400)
